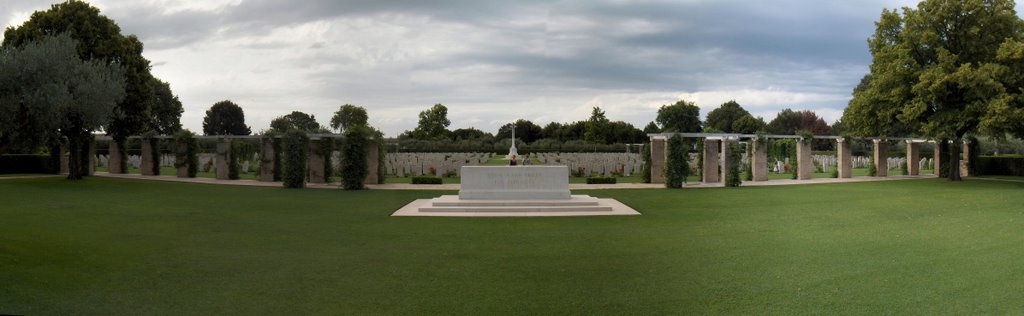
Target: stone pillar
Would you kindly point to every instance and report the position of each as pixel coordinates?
(724, 161)
(658, 157)
(147, 157)
(91, 169)
(913, 156)
(710, 168)
(315, 161)
(267, 157)
(804, 164)
(65, 160)
(937, 159)
(114, 157)
(845, 160)
(372, 165)
(965, 159)
(759, 160)
(180, 159)
(223, 158)
(881, 157)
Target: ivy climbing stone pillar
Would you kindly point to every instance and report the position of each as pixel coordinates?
(725, 161)
(180, 159)
(658, 157)
(804, 164)
(114, 158)
(711, 159)
(65, 160)
(147, 157)
(913, 157)
(91, 169)
(881, 156)
(759, 159)
(372, 163)
(223, 158)
(965, 159)
(315, 161)
(937, 158)
(267, 157)
(845, 158)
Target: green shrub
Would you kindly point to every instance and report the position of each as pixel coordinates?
(903, 168)
(676, 166)
(353, 161)
(871, 167)
(835, 172)
(296, 147)
(189, 157)
(26, 164)
(426, 180)
(732, 176)
(601, 180)
(999, 165)
(234, 150)
(645, 170)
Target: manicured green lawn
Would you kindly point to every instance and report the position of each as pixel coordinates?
(111, 246)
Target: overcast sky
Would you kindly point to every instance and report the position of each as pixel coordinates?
(491, 62)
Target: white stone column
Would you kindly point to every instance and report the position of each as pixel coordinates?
(725, 161)
(316, 163)
(267, 157)
(965, 159)
(881, 156)
(805, 166)
(845, 161)
(115, 156)
(147, 157)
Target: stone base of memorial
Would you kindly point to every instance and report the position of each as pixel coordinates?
(508, 191)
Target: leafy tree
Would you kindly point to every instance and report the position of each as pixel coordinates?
(45, 89)
(551, 131)
(100, 39)
(296, 151)
(652, 128)
(353, 163)
(167, 109)
(433, 123)
(749, 125)
(624, 133)
(225, 118)
(347, 116)
(683, 116)
(526, 131)
(725, 116)
(935, 70)
(296, 120)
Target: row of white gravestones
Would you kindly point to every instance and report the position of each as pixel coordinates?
(587, 164)
(435, 164)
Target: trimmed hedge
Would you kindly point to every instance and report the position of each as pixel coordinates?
(426, 180)
(601, 180)
(999, 165)
(296, 147)
(25, 164)
(353, 157)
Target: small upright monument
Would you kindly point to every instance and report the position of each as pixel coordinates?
(512, 152)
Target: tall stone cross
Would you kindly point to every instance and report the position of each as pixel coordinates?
(512, 150)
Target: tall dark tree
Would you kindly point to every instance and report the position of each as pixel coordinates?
(468, 134)
(167, 109)
(551, 131)
(296, 120)
(225, 118)
(526, 131)
(786, 122)
(725, 116)
(597, 127)
(652, 128)
(683, 116)
(348, 116)
(98, 38)
(935, 70)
